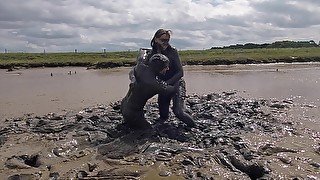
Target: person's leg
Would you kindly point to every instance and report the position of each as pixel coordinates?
(179, 105)
(138, 122)
(135, 119)
(164, 103)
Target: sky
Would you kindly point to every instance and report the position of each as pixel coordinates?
(117, 25)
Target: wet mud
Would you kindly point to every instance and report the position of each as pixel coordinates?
(235, 138)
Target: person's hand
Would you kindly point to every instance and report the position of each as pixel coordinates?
(169, 82)
(176, 86)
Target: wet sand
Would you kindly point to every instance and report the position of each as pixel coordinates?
(36, 91)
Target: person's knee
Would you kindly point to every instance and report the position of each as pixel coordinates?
(184, 117)
(142, 124)
(178, 112)
(164, 111)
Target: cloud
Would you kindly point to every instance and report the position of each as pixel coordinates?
(288, 14)
(65, 25)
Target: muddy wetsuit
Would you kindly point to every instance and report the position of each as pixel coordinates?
(143, 87)
(172, 76)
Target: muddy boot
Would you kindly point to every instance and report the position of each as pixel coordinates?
(187, 119)
(140, 125)
(160, 120)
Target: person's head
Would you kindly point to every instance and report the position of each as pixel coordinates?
(161, 39)
(159, 63)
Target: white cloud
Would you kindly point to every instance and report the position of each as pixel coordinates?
(65, 25)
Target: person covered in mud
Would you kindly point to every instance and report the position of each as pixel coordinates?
(160, 44)
(144, 86)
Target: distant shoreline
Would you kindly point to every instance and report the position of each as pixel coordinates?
(11, 61)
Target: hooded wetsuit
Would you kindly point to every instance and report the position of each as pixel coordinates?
(172, 76)
(145, 86)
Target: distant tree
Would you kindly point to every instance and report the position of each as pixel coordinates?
(277, 44)
(312, 42)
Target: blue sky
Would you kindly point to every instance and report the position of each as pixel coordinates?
(92, 25)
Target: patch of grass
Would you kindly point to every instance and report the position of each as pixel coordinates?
(128, 58)
(254, 55)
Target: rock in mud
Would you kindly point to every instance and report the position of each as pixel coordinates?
(23, 177)
(315, 164)
(120, 173)
(164, 173)
(23, 162)
(270, 149)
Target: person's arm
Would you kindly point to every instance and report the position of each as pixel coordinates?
(144, 55)
(179, 74)
(132, 76)
(149, 55)
(163, 88)
(157, 85)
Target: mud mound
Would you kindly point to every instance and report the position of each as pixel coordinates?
(94, 144)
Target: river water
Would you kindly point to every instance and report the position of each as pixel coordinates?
(38, 92)
(43, 90)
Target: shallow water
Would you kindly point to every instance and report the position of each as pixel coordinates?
(36, 91)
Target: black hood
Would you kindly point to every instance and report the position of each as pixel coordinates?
(158, 62)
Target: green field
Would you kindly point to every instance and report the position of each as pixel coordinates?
(192, 57)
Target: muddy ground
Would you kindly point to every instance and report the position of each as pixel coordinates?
(235, 138)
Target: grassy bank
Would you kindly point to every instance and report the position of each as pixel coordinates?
(191, 57)
(243, 56)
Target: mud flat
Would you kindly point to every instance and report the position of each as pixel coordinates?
(73, 88)
(235, 138)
